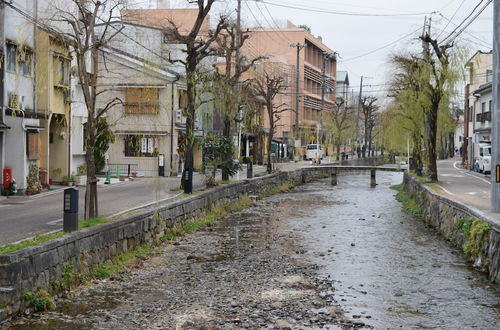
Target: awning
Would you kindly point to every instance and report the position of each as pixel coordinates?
(3, 125)
(126, 132)
(33, 128)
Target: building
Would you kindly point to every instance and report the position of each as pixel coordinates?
(317, 68)
(54, 103)
(477, 116)
(342, 90)
(144, 123)
(20, 124)
(159, 19)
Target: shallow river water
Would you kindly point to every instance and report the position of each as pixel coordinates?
(388, 266)
(318, 257)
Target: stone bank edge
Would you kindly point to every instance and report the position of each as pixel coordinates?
(477, 234)
(39, 267)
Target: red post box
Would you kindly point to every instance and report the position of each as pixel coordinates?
(7, 178)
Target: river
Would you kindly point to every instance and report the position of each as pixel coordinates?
(320, 256)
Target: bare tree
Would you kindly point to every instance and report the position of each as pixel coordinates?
(340, 120)
(197, 48)
(268, 86)
(230, 91)
(368, 109)
(87, 39)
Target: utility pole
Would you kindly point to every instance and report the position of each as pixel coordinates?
(297, 96)
(495, 120)
(359, 110)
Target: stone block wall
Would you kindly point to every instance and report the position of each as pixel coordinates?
(461, 225)
(39, 267)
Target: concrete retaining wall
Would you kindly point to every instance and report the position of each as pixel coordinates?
(461, 225)
(39, 267)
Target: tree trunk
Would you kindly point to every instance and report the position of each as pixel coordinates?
(271, 135)
(227, 133)
(91, 210)
(190, 113)
(338, 152)
(430, 142)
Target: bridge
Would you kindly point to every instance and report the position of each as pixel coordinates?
(373, 169)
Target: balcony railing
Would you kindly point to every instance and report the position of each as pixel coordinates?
(482, 117)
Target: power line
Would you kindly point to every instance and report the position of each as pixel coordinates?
(382, 47)
(484, 43)
(333, 12)
(456, 32)
(451, 19)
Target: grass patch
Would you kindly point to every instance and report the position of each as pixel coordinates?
(40, 300)
(208, 219)
(226, 181)
(38, 239)
(272, 191)
(82, 224)
(409, 205)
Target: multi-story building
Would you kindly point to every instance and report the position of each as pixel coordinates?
(144, 124)
(317, 68)
(54, 103)
(477, 117)
(20, 122)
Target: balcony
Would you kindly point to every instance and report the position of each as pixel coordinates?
(483, 117)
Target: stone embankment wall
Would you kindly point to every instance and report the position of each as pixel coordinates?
(469, 229)
(39, 267)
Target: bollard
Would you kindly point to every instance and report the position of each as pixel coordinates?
(118, 172)
(187, 177)
(249, 170)
(373, 181)
(334, 177)
(108, 177)
(70, 219)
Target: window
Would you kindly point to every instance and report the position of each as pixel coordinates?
(142, 101)
(11, 57)
(26, 60)
(489, 105)
(33, 145)
(141, 146)
(62, 77)
(483, 106)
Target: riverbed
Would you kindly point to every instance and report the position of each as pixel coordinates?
(321, 256)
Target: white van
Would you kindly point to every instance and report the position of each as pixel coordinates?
(312, 151)
(484, 157)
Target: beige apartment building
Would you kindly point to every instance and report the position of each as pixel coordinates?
(281, 46)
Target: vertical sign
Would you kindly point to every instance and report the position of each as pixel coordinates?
(497, 173)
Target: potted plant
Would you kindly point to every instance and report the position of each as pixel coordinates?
(33, 180)
(81, 175)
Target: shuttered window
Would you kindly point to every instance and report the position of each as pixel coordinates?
(144, 101)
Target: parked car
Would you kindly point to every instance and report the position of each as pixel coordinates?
(313, 151)
(484, 158)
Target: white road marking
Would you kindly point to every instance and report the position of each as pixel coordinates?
(452, 175)
(472, 193)
(475, 176)
(445, 190)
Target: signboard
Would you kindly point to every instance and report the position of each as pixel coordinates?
(498, 173)
(297, 144)
(161, 160)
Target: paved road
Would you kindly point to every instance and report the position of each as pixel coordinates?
(463, 185)
(22, 216)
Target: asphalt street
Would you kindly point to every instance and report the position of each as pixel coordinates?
(22, 217)
(463, 185)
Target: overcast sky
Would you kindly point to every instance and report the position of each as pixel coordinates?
(355, 35)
